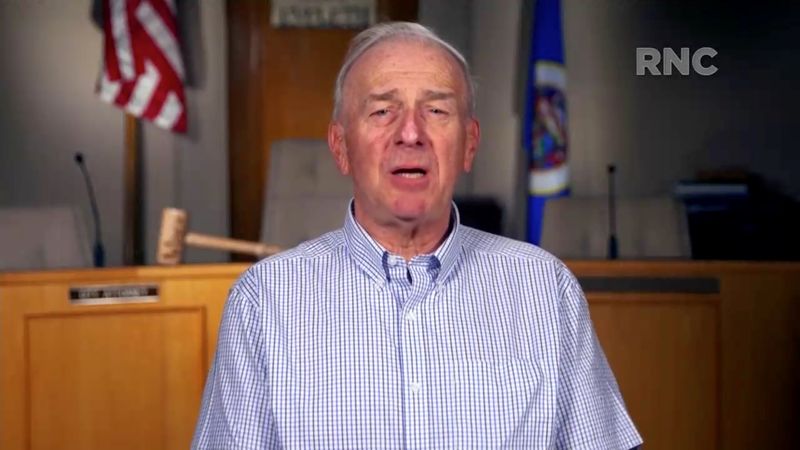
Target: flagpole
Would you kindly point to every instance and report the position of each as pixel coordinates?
(133, 254)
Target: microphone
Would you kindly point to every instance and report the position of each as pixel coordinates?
(98, 251)
(612, 215)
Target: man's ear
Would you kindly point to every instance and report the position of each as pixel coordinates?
(471, 143)
(338, 147)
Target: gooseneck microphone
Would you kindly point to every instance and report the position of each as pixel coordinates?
(98, 251)
(612, 215)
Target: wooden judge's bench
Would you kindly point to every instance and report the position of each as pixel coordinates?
(706, 354)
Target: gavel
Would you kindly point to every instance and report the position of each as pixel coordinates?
(174, 236)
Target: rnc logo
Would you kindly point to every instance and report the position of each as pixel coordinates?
(649, 57)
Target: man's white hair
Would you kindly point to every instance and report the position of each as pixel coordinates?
(390, 31)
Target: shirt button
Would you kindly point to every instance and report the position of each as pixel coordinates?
(411, 315)
(395, 261)
(416, 386)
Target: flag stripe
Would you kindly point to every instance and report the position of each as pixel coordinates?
(143, 71)
(163, 9)
(122, 40)
(111, 65)
(145, 86)
(108, 89)
(161, 35)
(170, 112)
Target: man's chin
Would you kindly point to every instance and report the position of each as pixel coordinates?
(420, 214)
(411, 211)
(409, 218)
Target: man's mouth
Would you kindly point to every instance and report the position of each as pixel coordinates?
(410, 172)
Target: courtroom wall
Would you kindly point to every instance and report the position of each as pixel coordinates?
(48, 67)
(656, 129)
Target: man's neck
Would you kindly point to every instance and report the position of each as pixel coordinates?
(407, 239)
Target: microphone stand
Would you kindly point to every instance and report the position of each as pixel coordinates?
(98, 251)
(613, 251)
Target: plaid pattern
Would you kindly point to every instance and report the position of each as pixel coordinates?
(485, 343)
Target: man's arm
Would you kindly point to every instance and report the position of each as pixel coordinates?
(591, 412)
(235, 413)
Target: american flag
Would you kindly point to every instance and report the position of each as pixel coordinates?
(143, 71)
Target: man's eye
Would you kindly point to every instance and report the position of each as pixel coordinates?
(380, 112)
(438, 111)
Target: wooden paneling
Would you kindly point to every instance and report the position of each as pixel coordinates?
(106, 376)
(114, 379)
(133, 228)
(663, 349)
(761, 359)
(247, 144)
(280, 86)
(759, 356)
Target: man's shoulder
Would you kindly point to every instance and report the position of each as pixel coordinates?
(293, 261)
(481, 243)
(310, 250)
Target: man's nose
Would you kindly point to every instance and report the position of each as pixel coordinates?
(412, 131)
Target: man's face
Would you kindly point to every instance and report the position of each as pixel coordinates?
(404, 133)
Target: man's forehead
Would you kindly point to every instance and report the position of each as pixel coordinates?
(379, 82)
(399, 56)
(414, 47)
(398, 62)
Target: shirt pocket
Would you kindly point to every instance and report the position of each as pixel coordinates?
(482, 402)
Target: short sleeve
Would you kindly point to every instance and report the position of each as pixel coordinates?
(235, 411)
(590, 411)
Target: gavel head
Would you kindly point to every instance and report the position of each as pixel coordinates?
(170, 239)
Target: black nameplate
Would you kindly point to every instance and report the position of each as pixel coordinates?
(113, 293)
(672, 285)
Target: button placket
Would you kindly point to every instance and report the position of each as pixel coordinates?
(416, 397)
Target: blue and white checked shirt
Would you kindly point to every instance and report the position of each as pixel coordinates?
(485, 343)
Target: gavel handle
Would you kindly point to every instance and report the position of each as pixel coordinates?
(232, 245)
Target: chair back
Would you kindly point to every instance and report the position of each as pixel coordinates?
(306, 195)
(647, 228)
(34, 238)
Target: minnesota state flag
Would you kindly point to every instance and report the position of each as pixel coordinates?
(544, 136)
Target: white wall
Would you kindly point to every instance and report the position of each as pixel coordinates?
(494, 41)
(48, 66)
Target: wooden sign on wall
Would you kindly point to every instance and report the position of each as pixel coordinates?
(323, 13)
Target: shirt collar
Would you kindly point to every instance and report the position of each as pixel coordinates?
(372, 257)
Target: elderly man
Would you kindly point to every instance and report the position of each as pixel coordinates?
(406, 329)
